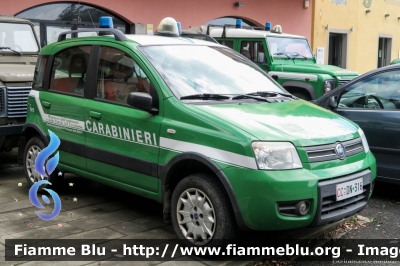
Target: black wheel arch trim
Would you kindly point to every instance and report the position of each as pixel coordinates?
(301, 85)
(37, 129)
(163, 171)
(23, 141)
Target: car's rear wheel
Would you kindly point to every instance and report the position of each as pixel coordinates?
(34, 146)
(201, 211)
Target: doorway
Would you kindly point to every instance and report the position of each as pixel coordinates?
(337, 53)
(384, 51)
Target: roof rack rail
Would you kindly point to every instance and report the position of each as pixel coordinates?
(254, 28)
(194, 35)
(231, 26)
(118, 35)
(211, 25)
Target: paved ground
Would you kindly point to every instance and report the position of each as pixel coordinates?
(384, 212)
(383, 216)
(101, 212)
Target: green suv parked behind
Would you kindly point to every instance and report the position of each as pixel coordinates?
(287, 58)
(197, 127)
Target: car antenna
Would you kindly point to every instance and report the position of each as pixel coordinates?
(79, 11)
(91, 18)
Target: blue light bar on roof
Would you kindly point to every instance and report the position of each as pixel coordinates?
(238, 23)
(268, 26)
(106, 22)
(179, 28)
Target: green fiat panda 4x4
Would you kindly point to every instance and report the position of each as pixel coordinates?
(197, 127)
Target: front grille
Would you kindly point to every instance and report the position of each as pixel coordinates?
(342, 81)
(330, 210)
(327, 152)
(2, 105)
(17, 100)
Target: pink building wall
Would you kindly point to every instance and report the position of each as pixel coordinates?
(290, 14)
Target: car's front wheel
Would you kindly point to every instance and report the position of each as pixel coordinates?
(201, 211)
(34, 146)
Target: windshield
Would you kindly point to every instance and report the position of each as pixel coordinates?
(18, 37)
(189, 70)
(283, 47)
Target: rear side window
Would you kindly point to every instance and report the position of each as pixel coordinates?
(39, 72)
(68, 74)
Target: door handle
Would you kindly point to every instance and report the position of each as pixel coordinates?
(95, 115)
(46, 104)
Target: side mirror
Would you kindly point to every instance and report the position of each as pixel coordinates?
(142, 101)
(332, 102)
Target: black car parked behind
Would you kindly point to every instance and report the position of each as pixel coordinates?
(373, 101)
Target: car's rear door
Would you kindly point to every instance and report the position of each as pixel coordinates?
(63, 104)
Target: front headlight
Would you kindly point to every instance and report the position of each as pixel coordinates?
(276, 155)
(329, 84)
(364, 140)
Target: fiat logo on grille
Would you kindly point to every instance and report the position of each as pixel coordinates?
(340, 151)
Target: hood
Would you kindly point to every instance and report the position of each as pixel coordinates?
(300, 122)
(396, 61)
(317, 69)
(16, 72)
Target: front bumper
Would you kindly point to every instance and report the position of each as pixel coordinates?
(9, 130)
(259, 193)
(329, 210)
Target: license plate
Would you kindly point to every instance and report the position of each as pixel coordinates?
(349, 189)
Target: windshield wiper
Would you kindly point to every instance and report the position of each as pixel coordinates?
(297, 54)
(271, 94)
(282, 54)
(250, 96)
(8, 48)
(205, 96)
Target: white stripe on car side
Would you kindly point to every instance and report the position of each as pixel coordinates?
(53, 119)
(217, 154)
(35, 94)
(223, 156)
(293, 75)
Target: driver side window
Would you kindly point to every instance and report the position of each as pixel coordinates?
(119, 75)
(380, 91)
